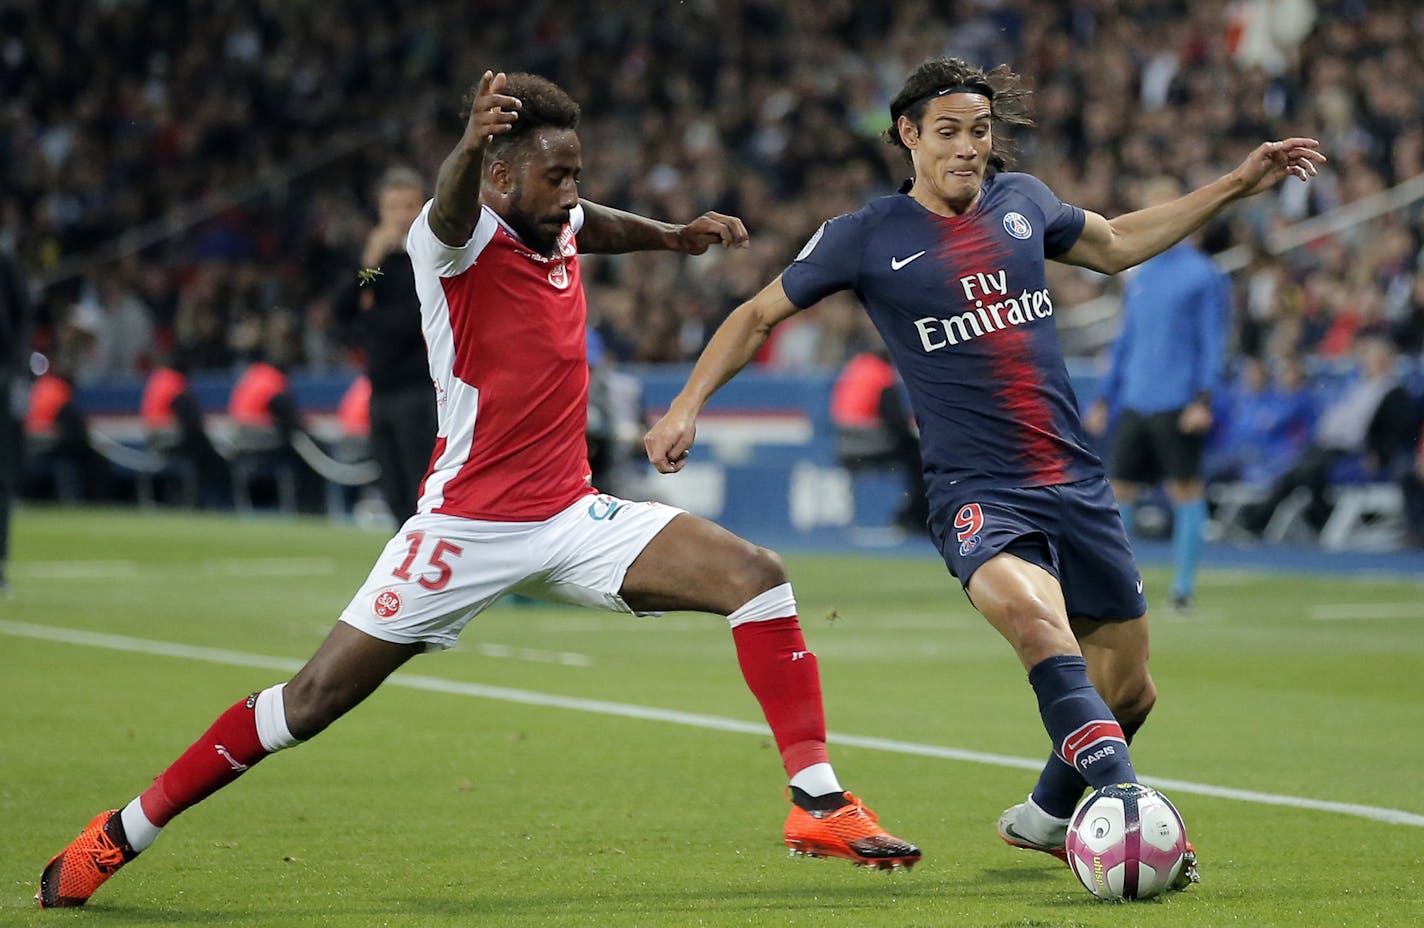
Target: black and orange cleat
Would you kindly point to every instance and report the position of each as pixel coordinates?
(1189, 874)
(851, 832)
(81, 868)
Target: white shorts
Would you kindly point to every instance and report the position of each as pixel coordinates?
(438, 572)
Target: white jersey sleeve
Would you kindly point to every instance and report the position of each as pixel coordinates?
(429, 253)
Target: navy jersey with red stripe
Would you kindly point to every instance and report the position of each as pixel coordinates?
(963, 305)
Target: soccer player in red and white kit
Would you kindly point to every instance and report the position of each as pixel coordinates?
(507, 505)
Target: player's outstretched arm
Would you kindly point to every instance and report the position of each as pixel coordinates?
(1112, 245)
(457, 186)
(731, 347)
(609, 231)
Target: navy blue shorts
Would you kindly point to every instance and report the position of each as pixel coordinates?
(1073, 531)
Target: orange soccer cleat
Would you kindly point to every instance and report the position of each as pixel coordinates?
(73, 875)
(851, 832)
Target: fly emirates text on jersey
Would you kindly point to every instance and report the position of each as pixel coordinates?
(937, 333)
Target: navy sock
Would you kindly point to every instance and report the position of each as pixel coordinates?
(1085, 736)
(1059, 786)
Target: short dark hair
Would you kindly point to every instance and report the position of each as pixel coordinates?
(400, 177)
(1008, 101)
(545, 105)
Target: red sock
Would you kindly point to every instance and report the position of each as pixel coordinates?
(221, 755)
(783, 676)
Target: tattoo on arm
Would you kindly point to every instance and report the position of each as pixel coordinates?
(457, 195)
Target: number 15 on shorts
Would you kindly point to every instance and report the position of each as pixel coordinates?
(435, 557)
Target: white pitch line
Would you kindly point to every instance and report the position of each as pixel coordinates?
(535, 655)
(1344, 612)
(270, 567)
(653, 714)
(75, 570)
(223, 567)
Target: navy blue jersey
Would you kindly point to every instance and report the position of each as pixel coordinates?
(963, 305)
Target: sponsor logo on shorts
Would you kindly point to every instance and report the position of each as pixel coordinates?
(386, 604)
(604, 508)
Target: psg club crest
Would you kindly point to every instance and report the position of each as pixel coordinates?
(1016, 225)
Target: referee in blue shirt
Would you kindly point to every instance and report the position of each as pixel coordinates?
(1165, 364)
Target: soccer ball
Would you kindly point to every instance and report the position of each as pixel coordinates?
(1127, 842)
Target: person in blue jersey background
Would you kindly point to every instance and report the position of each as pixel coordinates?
(951, 272)
(1166, 363)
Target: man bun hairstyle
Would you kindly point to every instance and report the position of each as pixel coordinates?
(545, 105)
(1008, 101)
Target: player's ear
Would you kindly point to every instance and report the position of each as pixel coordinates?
(909, 132)
(500, 173)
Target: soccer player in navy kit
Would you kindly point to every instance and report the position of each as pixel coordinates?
(951, 271)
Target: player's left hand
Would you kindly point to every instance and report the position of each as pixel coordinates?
(669, 441)
(1195, 418)
(1272, 161)
(710, 229)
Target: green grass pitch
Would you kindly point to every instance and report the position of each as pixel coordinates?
(441, 802)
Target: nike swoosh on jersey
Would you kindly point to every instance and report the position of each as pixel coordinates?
(897, 263)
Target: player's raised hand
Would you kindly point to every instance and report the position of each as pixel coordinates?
(669, 441)
(492, 111)
(710, 229)
(1272, 161)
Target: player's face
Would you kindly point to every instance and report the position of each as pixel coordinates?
(545, 188)
(950, 149)
(399, 206)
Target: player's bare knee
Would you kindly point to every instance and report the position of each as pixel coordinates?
(761, 569)
(1036, 633)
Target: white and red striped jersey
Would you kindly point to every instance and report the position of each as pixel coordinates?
(504, 329)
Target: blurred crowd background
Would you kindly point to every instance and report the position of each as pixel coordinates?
(195, 178)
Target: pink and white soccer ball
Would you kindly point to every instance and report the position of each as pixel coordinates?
(1126, 842)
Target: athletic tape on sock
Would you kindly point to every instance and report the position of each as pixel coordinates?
(140, 832)
(270, 715)
(776, 603)
(817, 780)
